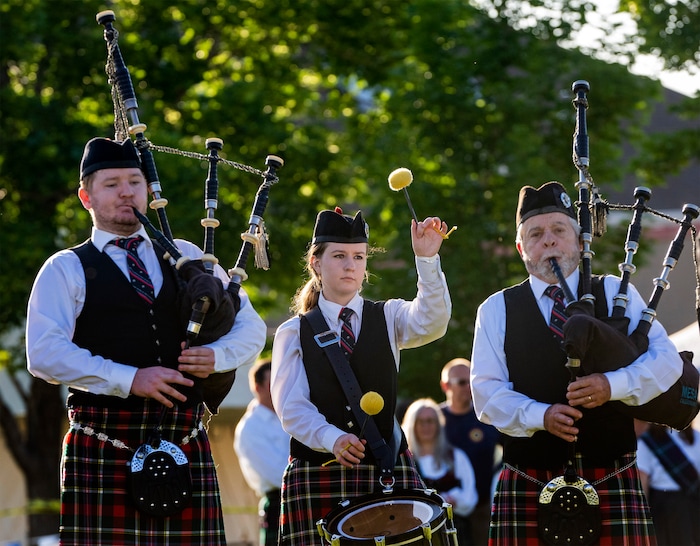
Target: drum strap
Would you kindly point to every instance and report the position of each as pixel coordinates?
(328, 340)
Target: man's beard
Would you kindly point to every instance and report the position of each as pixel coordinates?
(128, 222)
(543, 269)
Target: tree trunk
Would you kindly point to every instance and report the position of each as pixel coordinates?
(46, 425)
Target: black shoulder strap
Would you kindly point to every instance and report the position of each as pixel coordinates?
(329, 342)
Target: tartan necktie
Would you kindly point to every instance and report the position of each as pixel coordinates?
(138, 275)
(558, 316)
(347, 338)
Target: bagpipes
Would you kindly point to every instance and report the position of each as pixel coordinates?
(569, 506)
(601, 344)
(207, 309)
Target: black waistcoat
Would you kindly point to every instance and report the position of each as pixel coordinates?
(445, 482)
(536, 366)
(117, 324)
(374, 367)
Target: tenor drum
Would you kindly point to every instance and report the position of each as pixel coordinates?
(408, 516)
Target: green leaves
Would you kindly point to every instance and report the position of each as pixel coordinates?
(346, 92)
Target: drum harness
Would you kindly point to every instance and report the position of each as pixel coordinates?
(385, 455)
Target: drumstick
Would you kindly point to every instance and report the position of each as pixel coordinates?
(400, 179)
(371, 403)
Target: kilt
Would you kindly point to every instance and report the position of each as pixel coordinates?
(626, 520)
(96, 508)
(310, 492)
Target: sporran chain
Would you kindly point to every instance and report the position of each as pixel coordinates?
(102, 437)
(601, 480)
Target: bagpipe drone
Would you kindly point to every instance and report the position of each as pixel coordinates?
(207, 308)
(160, 482)
(601, 343)
(568, 506)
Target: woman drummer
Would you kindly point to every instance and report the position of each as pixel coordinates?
(329, 463)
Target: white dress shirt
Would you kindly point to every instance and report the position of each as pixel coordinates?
(517, 415)
(57, 299)
(262, 447)
(409, 324)
(465, 496)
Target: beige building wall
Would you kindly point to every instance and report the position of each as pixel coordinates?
(13, 523)
(239, 501)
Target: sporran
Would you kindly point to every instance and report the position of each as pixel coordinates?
(159, 479)
(568, 512)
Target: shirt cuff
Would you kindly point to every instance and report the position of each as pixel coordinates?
(122, 379)
(330, 437)
(537, 411)
(618, 384)
(428, 267)
(219, 360)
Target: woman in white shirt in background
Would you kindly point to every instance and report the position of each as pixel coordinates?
(442, 466)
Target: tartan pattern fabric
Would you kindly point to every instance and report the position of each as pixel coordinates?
(558, 316)
(138, 275)
(626, 519)
(310, 492)
(96, 508)
(347, 337)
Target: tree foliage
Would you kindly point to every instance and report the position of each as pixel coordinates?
(475, 102)
(665, 29)
(344, 91)
(668, 30)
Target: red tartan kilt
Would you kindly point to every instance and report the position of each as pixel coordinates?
(626, 519)
(95, 504)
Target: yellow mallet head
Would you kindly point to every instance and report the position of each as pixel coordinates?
(371, 403)
(400, 178)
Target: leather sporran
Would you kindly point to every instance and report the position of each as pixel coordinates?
(569, 513)
(160, 480)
